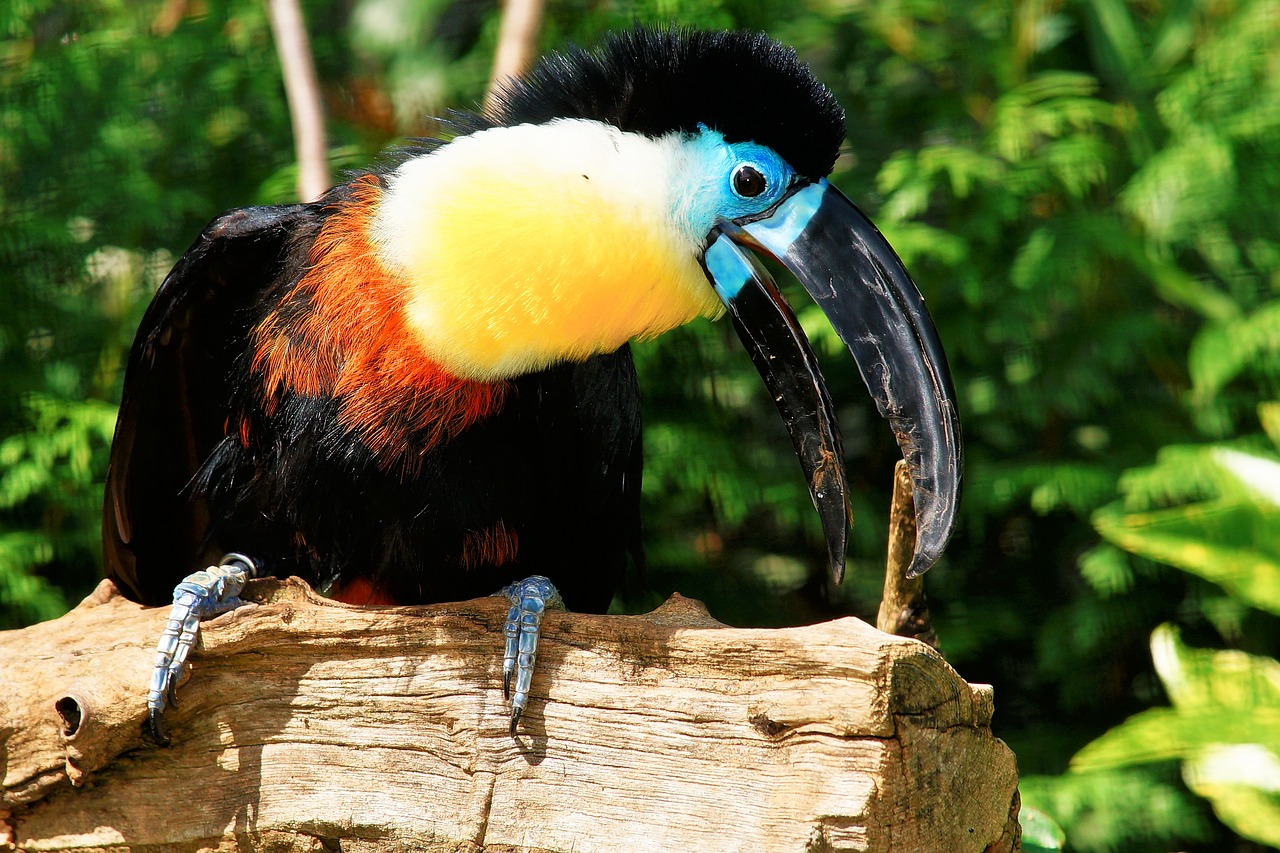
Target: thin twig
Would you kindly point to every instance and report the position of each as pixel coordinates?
(517, 42)
(303, 92)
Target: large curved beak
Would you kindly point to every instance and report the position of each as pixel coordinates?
(857, 280)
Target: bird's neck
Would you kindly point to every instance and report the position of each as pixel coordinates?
(531, 245)
(341, 333)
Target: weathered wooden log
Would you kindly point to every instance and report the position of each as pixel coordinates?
(312, 725)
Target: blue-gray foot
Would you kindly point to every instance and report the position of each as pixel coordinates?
(529, 599)
(200, 596)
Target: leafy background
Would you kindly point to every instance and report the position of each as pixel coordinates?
(1085, 191)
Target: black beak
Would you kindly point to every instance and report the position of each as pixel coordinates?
(857, 280)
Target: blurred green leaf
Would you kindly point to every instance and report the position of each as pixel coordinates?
(1224, 725)
(1221, 352)
(1243, 783)
(1231, 538)
(1117, 811)
(1040, 832)
(1119, 45)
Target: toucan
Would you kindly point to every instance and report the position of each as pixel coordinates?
(419, 388)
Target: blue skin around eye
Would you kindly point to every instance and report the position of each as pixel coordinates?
(705, 193)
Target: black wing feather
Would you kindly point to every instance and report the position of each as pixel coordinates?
(176, 390)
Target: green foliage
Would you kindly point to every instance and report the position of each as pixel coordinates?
(50, 475)
(1084, 191)
(1242, 349)
(1040, 834)
(1118, 810)
(124, 127)
(1223, 726)
(1211, 510)
(1230, 537)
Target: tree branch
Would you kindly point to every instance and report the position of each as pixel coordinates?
(517, 42)
(904, 610)
(303, 93)
(311, 724)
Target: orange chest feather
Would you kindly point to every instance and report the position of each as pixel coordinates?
(341, 333)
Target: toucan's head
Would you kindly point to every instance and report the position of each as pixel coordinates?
(618, 193)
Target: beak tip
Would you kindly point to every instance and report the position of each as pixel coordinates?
(929, 548)
(918, 566)
(837, 546)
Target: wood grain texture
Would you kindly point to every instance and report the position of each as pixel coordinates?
(311, 725)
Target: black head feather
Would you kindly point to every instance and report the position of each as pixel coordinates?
(745, 85)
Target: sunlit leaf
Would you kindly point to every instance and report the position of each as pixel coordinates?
(1040, 832)
(1230, 531)
(1243, 784)
(1224, 726)
(1231, 544)
(1222, 351)
(1182, 186)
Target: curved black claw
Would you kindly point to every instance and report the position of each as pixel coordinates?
(200, 596)
(155, 724)
(529, 599)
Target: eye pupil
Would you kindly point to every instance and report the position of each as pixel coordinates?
(748, 182)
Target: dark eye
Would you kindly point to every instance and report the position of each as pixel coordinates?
(747, 181)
